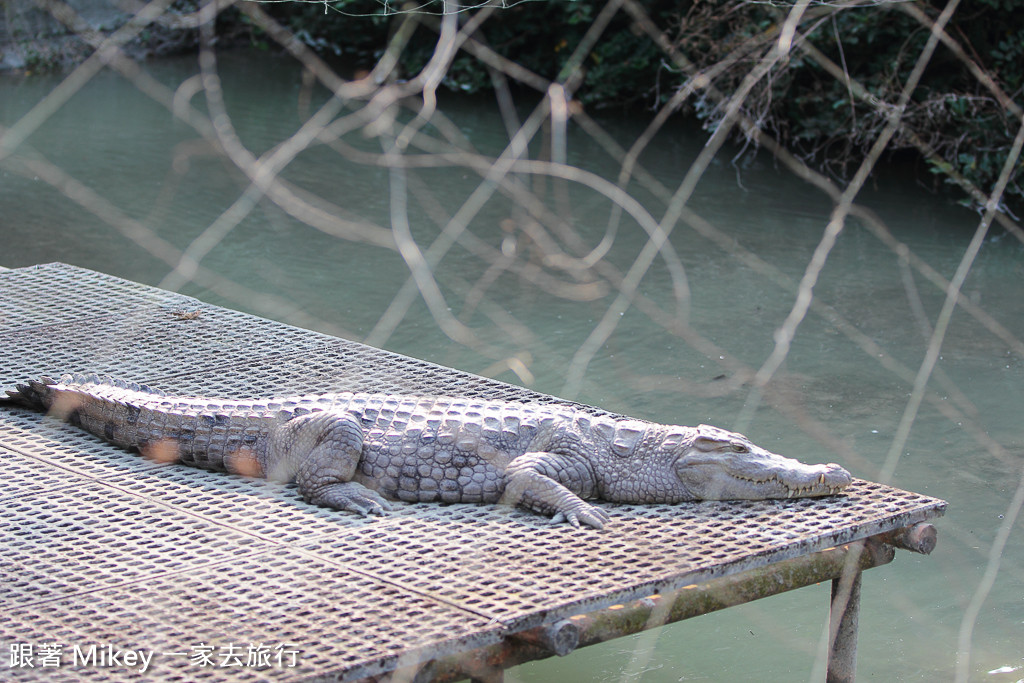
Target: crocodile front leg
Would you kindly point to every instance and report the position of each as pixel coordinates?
(553, 484)
(320, 452)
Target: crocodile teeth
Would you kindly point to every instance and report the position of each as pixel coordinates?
(821, 479)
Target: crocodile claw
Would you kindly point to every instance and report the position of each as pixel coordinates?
(587, 514)
(352, 497)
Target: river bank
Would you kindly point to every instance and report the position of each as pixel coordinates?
(33, 39)
(826, 102)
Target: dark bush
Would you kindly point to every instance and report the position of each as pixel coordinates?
(807, 108)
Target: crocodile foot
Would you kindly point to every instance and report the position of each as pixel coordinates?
(350, 496)
(582, 512)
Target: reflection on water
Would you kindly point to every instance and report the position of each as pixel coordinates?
(155, 170)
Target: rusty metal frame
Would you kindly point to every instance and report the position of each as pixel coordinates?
(842, 566)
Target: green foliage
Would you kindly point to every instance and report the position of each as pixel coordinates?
(542, 36)
(821, 116)
(809, 109)
(357, 29)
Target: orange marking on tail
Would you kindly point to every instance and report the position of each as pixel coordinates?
(243, 461)
(65, 403)
(164, 450)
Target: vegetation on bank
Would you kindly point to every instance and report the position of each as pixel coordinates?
(829, 122)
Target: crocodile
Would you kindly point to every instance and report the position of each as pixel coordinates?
(356, 451)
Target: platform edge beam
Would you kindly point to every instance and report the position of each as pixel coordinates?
(658, 610)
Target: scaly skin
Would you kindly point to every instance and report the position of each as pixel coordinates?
(354, 451)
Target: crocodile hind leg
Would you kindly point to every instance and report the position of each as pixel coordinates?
(553, 484)
(321, 452)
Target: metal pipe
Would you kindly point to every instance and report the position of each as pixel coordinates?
(560, 638)
(843, 620)
(918, 538)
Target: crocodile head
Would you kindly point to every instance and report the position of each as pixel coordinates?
(713, 464)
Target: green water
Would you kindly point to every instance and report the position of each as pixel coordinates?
(153, 169)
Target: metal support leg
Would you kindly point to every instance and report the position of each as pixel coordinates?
(842, 631)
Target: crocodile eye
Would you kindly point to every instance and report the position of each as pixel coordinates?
(739, 448)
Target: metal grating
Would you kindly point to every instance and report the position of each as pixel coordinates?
(520, 570)
(336, 620)
(179, 344)
(63, 450)
(37, 296)
(91, 535)
(100, 546)
(345, 366)
(155, 341)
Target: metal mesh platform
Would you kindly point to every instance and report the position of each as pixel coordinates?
(101, 547)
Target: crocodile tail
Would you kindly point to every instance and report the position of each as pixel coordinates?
(35, 394)
(40, 393)
(82, 380)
